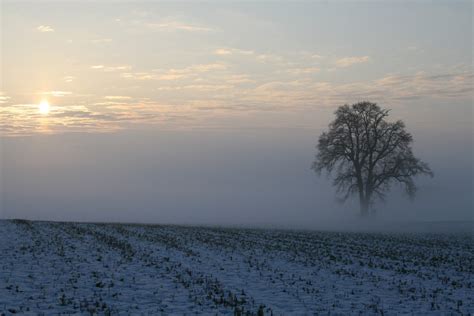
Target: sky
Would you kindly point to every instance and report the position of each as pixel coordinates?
(209, 112)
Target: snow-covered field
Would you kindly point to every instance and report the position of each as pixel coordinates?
(54, 268)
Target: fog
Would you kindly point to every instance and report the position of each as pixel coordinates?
(252, 177)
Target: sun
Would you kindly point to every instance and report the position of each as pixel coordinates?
(44, 107)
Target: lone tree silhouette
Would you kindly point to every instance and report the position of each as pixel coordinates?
(367, 154)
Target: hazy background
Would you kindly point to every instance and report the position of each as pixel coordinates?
(209, 113)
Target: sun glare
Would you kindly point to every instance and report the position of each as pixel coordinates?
(44, 107)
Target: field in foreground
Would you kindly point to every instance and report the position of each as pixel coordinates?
(54, 268)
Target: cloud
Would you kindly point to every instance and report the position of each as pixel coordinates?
(68, 79)
(349, 61)
(231, 51)
(269, 58)
(173, 73)
(85, 114)
(117, 97)
(303, 71)
(316, 56)
(422, 84)
(175, 25)
(169, 76)
(206, 67)
(117, 68)
(393, 88)
(111, 68)
(138, 75)
(239, 79)
(201, 87)
(45, 28)
(25, 119)
(222, 51)
(56, 93)
(3, 98)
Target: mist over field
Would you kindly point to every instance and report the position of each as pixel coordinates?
(250, 177)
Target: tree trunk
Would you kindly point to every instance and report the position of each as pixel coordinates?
(364, 206)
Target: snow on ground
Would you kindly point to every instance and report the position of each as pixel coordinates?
(118, 269)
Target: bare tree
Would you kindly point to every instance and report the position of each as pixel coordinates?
(367, 154)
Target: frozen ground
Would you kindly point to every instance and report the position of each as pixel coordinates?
(54, 268)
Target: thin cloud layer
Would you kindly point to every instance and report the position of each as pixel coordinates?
(119, 111)
(173, 73)
(26, 119)
(58, 94)
(232, 51)
(45, 28)
(349, 61)
(111, 68)
(117, 97)
(179, 26)
(3, 98)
